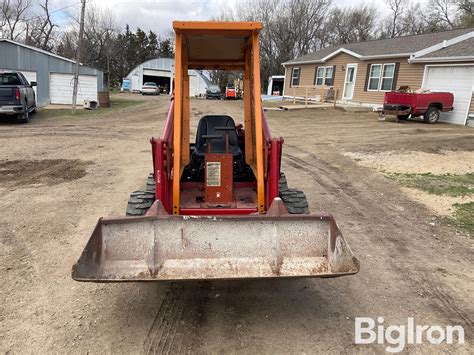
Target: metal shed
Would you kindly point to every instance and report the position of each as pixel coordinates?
(161, 72)
(53, 73)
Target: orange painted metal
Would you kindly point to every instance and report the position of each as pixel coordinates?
(217, 65)
(186, 116)
(257, 108)
(178, 99)
(249, 148)
(213, 26)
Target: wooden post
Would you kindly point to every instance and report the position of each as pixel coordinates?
(306, 96)
(294, 96)
(336, 91)
(322, 94)
(78, 56)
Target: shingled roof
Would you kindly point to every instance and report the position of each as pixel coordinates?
(400, 46)
(461, 49)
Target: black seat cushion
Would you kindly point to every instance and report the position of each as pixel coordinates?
(207, 126)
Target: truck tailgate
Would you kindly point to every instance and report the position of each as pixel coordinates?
(400, 98)
(6, 92)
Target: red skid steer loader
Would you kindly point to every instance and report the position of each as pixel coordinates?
(218, 208)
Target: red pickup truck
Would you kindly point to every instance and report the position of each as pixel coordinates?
(408, 104)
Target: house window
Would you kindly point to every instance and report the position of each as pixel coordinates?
(323, 76)
(295, 76)
(387, 77)
(381, 77)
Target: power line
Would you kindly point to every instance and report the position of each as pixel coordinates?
(51, 12)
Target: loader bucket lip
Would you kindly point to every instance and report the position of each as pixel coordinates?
(97, 265)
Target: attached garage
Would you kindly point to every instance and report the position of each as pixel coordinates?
(61, 88)
(458, 79)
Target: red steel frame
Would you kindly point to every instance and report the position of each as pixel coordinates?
(162, 162)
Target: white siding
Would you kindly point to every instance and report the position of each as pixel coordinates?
(61, 88)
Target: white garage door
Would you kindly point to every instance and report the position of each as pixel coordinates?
(193, 85)
(61, 88)
(456, 79)
(157, 72)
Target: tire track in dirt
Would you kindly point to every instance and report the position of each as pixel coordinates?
(445, 303)
(178, 315)
(332, 178)
(161, 334)
(328, 177)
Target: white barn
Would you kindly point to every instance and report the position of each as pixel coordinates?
(161, 72)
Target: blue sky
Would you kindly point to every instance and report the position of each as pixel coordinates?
(157, 15)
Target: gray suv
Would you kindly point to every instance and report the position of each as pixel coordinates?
(213, 92)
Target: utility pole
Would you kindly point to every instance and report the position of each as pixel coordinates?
(78, 56)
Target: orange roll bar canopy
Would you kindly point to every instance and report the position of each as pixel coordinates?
(218, 46)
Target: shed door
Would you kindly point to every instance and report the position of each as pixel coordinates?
(456, 79)
(61, 88)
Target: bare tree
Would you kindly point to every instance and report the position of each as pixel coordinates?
(466, 9)
(39, 31)
(413, 21)
(291, 28)
(13, 15)
(444, 12)
(100, 30)
(397, 8)
(348, 25)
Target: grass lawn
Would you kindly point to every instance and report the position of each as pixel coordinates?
(448, 185)
(464, 216)
(115, 105)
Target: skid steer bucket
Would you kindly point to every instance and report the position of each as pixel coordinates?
(195, 248)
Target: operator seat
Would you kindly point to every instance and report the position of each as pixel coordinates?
(206, 126)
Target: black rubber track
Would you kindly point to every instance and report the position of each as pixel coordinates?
(295, 200)
(140, 201)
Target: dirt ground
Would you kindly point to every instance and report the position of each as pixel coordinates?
(58, 176)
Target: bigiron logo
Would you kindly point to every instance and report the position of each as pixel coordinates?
(396, 337)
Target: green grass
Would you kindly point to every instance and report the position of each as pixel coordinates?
(446, 184)
(115, 105)
(464, 216)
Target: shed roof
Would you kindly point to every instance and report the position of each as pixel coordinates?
(37, 50)
(50, 54)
